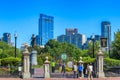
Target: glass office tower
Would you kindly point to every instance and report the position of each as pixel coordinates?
(106, 31)
(46, 29)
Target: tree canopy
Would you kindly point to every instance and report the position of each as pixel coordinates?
(116, 46)
(8, 51)
(55, 49)
(90, 48)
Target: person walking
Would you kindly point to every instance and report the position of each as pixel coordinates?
(60, 67)
(53, 66)
(80, 69)
(63, 68)
(90, 70)
(75, 69)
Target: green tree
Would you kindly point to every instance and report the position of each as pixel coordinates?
(116, 46)
(44, 55)
(90, 48)
(1, 50)
(55, 49)
(39, 60)
(84, 53)
(77, 54)
(8, 51)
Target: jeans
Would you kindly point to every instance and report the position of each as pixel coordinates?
(74, 74)
(53, 69)
(80, 73)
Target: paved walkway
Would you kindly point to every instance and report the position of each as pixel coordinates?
(106, 78)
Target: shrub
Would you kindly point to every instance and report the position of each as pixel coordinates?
(2, 70)
(111, 62)
(36, 66)
(39, 60)
(10, 61)
(43, 56)
(88, 60)
(2, 55)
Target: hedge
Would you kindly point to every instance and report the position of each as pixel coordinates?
(10, 61)
(111, 62)
(88, 60)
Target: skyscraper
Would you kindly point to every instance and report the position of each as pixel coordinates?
(7, 38)
(106, 31)
(46, 29)
(37, 40)
(89, 39)
(73, 37)
(71, 31)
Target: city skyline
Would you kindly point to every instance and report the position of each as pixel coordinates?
(22, 16)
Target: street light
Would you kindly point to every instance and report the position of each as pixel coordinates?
(93, 44)
(93, 39)
(15, 36)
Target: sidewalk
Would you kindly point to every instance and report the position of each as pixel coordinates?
(106, 78)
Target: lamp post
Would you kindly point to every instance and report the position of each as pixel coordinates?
(15, 36)
(94, 66)
(93, 44)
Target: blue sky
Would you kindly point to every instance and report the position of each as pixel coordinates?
(21, 16)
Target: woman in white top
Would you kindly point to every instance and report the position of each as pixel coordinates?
(90, 70)
(75, 68)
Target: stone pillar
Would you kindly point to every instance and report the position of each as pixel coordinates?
(33, 57)
(82, 65)
(26, 63)
(100, 72)
(46, 68)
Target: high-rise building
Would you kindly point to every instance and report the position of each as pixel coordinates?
(46, 29)
(106, 31)
(96, 38)
(83, 39)
(72, 37)
(7, 38)
(71, 31)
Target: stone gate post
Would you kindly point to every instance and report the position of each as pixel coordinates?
(100, 72)
(46, 68)
(26, 63)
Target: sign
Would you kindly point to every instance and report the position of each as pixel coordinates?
(63, 56)
(19, 68)
(103, 42)
(70, 64)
